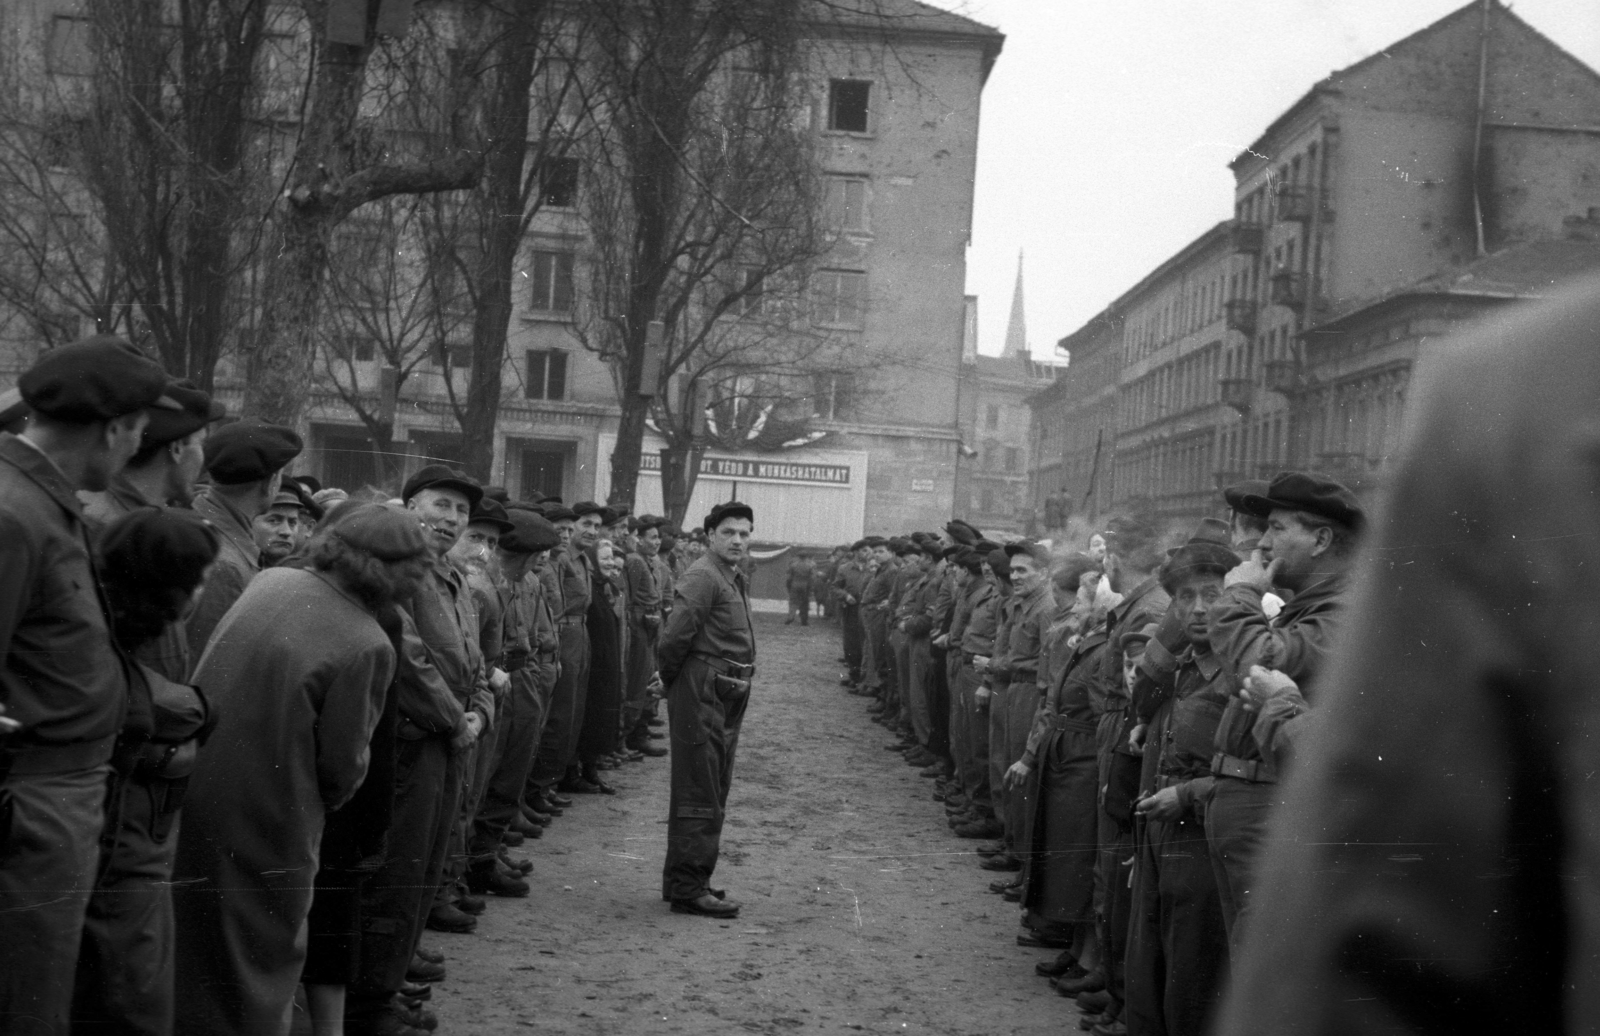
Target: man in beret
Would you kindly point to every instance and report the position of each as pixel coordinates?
(444, 703)
(707, 656)
(1013, 679)
(1312, 526)
(849, 582)
(245, 461)
(286, 523)
(534, 662)
(971, 646)
(574, 573)
(642, 579)
(876, 664)
(169, 460)
(64, 687)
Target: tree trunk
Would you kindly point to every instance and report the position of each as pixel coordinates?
(680, 470)
(629, 449)
(500, 203)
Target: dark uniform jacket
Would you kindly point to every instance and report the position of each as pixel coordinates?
(237, 563)
(1182, 703)
(643, 592)
(1030, 617)
(983, 619)
(710, 618)
(60, 675)
(851, 578)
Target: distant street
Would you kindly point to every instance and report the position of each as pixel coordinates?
(862, 912)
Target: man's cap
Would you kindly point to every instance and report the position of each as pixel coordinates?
(1038, 552)
(874, 542)
(1306, 491)
(524, 505)
(610, 515)
(1137, 638)
(159, 548)
(999, 562)
(94, 379)
(249, 451)
(499, 494)
(1237, 493)
(1208, 549)
(293, 492)
(986, 546)
(905, 547)
(952, 550)
(386, 532)
(490, 512)
(859, 544)
(963, 532)
(650, 521)
(557, 513)
(530, 533)
(196, 409)
(438, 476)
(731, 509)
(584, 507)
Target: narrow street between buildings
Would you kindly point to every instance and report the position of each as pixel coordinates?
(862, 912)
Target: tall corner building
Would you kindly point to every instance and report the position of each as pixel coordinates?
(1451, 173)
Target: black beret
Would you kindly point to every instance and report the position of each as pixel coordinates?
(874, 542)
(154, 547)
(1037, 551)
(583, 507)
(95, 379)
(952, 550)
(858, 544)
(523, 505)
(999, 562)
(650, 521)
(437, 476)
(1139, 637)
(1309, 492)
(612, 515)
(909, 547)
(489, 512)
(986, 547)
(249, 451)
(620, 510)
(387, 533)
(558, 513)
(498, 494)
(530, 533)
(722, 512)
(963, 532)
(195, 410)
(1236, 493)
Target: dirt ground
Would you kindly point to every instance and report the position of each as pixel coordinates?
(862, 912)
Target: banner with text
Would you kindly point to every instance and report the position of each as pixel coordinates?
(744, 469)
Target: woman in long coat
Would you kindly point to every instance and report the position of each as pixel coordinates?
(298, 670)
(602, 717)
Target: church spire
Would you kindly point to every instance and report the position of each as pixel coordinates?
(1017, 327)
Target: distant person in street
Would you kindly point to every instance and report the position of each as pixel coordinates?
(707, 658)
(802, 572)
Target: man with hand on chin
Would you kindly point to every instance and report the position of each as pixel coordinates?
(707, 657)
(1307, 550)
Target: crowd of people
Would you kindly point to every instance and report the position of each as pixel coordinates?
(258, 734)
(1110, 724)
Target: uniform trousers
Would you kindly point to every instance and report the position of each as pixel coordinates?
(518, 737)
(478, 767)
(639, 667)
(939, 703)
(1115, 863)
(998, 721)
(875, 661)
(705, 721)
(1177, 947)
(1236, 827)
(969, 736)
(47, 867)
(852, 633)
(564, 719)
(395, 901)
(900, 652)
(1022, 701)
(125, 965)
(919, 687)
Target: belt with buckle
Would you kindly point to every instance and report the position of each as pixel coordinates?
(1225, 765)
(727, 667)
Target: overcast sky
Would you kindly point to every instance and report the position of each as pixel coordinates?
(1108, 126)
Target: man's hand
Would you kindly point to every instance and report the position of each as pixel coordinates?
(1163, 805)
(1136, 738)
(499, 681)
(7, 724)
(849, 599)
(942, 640)
(1173, 631)
(1016, 774)
(980, 697)
(980, 663)
(1253, 573)
(475, 724)
(1262, 685)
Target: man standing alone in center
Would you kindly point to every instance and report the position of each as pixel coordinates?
(707, 657)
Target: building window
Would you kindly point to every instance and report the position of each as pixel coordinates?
(1013, 460)
(357, 347)
(347, 458)
(839, 298)
(552, 282)
(992, 417)
(834, 398)
(547, 374)
(460, 355)
(558, 182)
(849, 102)
(67, 50)
(543, 471)
(847, 204)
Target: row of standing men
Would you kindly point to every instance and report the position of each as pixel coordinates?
(323, 721)
(1111, 724)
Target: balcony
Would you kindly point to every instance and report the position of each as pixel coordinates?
(1297, 204)
(1282, 376)
(1245, 238)
(1240, 315)
(1289, 289)
(1238, 393)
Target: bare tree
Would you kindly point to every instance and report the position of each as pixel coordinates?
(384, 116)
(702, 196)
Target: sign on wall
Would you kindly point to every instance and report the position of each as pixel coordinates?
(761, 470)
